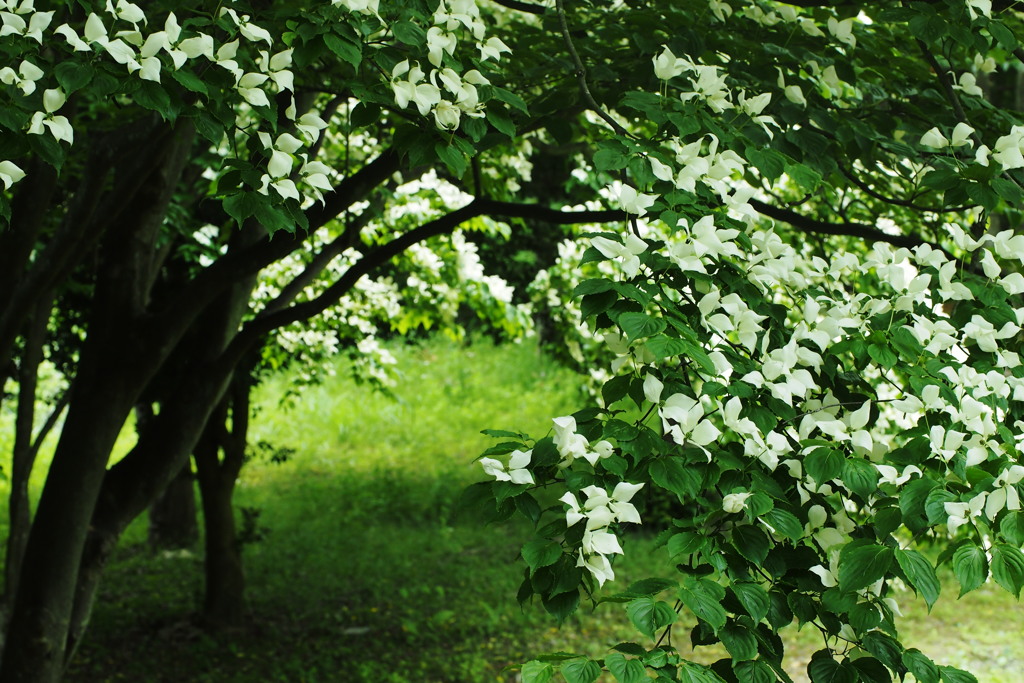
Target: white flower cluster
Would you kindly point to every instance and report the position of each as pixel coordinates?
(411, 85)
(122, 34)
(600, 511)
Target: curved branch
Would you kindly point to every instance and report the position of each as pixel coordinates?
(861, 230)
(521, 6)
(581, 73)
(261, 325)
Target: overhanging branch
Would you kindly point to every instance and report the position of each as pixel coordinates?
(812, 225)
(261, 325)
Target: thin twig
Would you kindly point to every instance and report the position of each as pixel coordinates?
(581, 73)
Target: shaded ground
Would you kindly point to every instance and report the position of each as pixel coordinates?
(364, 574)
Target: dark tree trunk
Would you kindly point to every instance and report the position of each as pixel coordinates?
(25, 449)
(172, 517)
(224, 599)
(117, 362)
(219, 459)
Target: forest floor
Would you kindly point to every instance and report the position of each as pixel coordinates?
(359, 570)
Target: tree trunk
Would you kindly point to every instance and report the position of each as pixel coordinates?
(224, 600)
(172, 517)
(25, 449)
(219, 458)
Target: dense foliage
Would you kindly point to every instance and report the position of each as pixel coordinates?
(802, 307)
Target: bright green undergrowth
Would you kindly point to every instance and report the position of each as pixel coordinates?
(365, 573)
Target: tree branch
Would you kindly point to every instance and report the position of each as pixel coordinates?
(581, 73)
(521, 6)
(261, 325)
(812, 225)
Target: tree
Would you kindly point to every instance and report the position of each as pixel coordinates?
(815, 324)
(156, 161)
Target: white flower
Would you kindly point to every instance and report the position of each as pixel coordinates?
(962, 135)
(982, 7)
(446, 115)
(634, 202)
(934, 138)
(424, 95)
(962, 513)
(516, 471)
(968, 84)
(629, 253)
(10, 173)
(667, 66)
(843, 30)
(681, 419)
(493, 48)
(439, 42)
(735, 502)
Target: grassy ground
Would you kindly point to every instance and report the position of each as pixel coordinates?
(364, 573)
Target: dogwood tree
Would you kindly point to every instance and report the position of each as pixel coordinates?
(803, 218)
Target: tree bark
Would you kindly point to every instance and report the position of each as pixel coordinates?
(219, 459)
(114, 370)
(25, 449)
(172, 517)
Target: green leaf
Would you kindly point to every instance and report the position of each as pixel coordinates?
(348, 50)
(703, 597)
(609, 159)
(153, 96)
(593, 286)
(860, 476)
(754, 672)
(672, 474)
(935, 505)
(409, 33)
(884, 647)
(951, 674)
(1008, 567)
(824, 464)
(862, 565)
(920, 573)
(804, 176)
(1011, 528)
(453, 158)
(751, 542)
(1004, 35)
(537, 672)
(922, 667)
(541, 552)
(72, 75)
(785, 523)
(190, 81)
(739, 641)
(754, 598)
(637, 325)
(685, 543)
(871, 670)
(501, 434)
(626, 670)
(580, 670)
(651, 586)
(692, 672)
(562, 605)
(883, 355)
(663, 346)
(824, 669)
(970, 567)
(864, 616)
(510, 98)
(650, 615)
(240, 206)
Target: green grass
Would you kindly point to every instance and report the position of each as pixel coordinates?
(366, 574)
